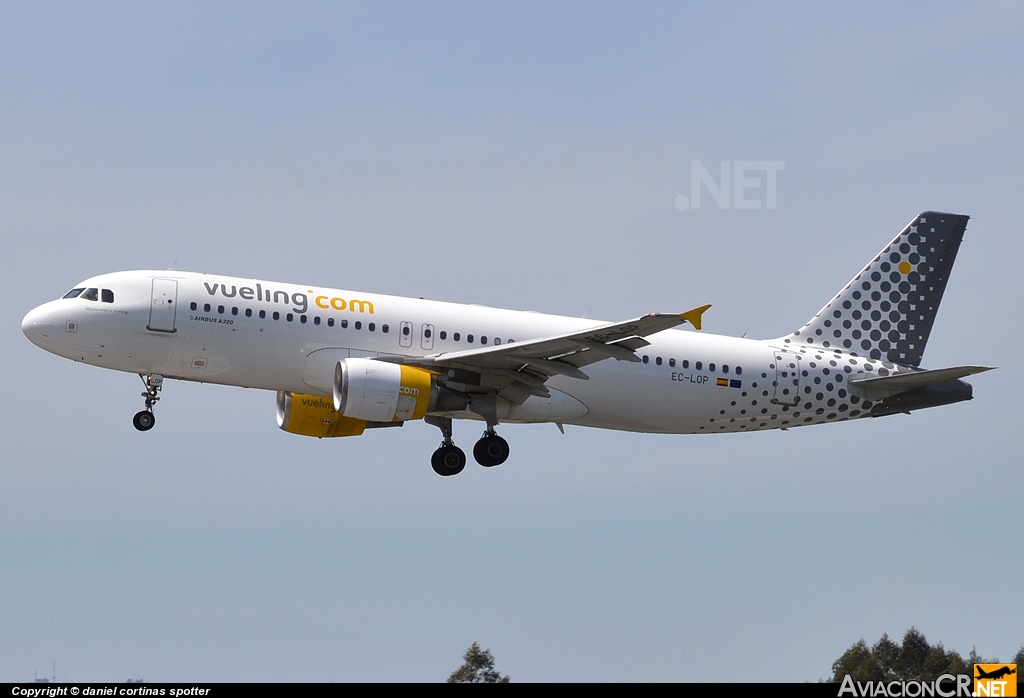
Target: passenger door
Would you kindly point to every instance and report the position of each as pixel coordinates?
(163, 306)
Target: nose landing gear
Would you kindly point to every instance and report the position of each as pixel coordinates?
(144, 420)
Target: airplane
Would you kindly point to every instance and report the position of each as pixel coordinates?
(342, 361)
(994, 674)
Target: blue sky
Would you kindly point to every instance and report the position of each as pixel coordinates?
(522, 155)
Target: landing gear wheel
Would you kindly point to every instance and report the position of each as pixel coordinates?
(448, 460)
(154, 383)
(144, 420)
(490, 450)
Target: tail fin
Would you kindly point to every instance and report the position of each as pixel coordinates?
(887, 310)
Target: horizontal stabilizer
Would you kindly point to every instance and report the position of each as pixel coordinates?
(878, 387)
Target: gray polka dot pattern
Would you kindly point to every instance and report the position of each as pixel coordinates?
(886, 312)
(819, 392)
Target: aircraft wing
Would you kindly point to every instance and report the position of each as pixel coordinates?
(517, 370)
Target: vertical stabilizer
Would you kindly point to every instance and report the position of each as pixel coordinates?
(887, 310)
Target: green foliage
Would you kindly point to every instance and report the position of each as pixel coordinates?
(477, 667)
(912, 660)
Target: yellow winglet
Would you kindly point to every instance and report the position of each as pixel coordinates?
(693, 316)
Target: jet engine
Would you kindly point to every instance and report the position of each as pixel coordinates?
(378, 391)
(312, 415)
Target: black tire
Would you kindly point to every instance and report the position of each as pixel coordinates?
(144, 421)
(448, 460)
(490, 451)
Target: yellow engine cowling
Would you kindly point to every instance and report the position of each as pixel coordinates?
(312, 415)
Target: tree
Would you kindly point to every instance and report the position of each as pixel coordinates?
(477, 667)
(912, 660)
(912, 656)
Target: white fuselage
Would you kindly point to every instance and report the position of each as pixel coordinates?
(216, 329)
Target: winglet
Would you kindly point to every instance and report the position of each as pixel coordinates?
(693, 316)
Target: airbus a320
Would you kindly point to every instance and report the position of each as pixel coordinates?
(344, 361)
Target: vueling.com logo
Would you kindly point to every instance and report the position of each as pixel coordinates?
(299, 300)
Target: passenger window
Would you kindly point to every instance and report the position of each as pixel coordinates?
(426, 333)
(359, 325)
(406, 330)
(672, 362)
(316, 320)
(263, 315)
(302, 319)
(206, 308)
(455, 336)
(289, 317)
(444, 335)
(107, 295)
(711, 367)
(234, 310)
(90, 294)
(483, 339)
(248, 312)
(497, 341)
(371, 326)
(74, 293)
(344, 324)
(646, 359)
(686, 363)
(697, 365)
(220, 309)
(193, 305)
(658, 361)
(277, 315)
(739, 370)
(469, 338)
(384, 329)
(725, 368)
(330, 322)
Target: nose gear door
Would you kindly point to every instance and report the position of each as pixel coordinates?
(163, 307)
(787, 378)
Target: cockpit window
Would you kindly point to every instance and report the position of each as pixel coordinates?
(107, 295)
(73, 293)
(91, 294)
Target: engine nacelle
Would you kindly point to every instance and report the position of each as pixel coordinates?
(378, 391)
(312, 415)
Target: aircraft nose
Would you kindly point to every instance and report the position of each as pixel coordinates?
(38, 326)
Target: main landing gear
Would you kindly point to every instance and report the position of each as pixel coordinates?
(490, 450)
(449, 459)
(144, 420)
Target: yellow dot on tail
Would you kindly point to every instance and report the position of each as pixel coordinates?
(904, 267)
